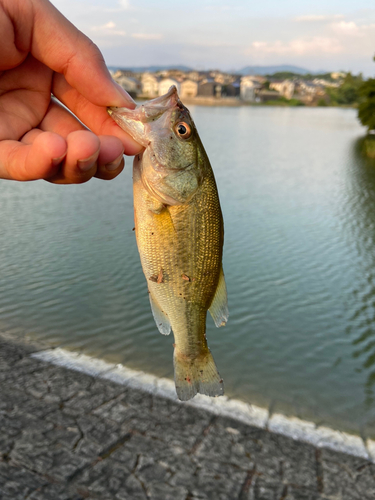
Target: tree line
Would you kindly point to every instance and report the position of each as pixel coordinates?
(366, 106)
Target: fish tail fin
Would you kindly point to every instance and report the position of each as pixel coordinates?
(198, 374)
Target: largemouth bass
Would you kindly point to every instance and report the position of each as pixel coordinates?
(180, 234)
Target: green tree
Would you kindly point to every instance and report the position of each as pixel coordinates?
(366, 114)
(348, 92)
(366, 110)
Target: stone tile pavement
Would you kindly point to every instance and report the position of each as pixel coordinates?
(65, 435)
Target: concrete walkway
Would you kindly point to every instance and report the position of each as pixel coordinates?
(66, 435)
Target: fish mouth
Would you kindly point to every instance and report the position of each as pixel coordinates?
(133, 121)
(130, 121)
(151, 109)
(168, 100)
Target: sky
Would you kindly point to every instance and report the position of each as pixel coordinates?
(319, 35)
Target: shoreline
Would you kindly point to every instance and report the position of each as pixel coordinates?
(235, 102)
(289, 426)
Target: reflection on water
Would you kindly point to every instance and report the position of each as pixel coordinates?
(298, 201)
(360, 226)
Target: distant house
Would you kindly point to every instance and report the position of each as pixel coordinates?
(175, 74)
(309, 90)
(249, 88)
(231, 90)
(288, 89)
(276, 85)
(188, 88)
(259, 78)
(209, 88)
(150, 85)
(283, 87)
(224, 78)
(166, 84)
(325, 83)
(267, 95)
(337, 75)
(193, 75)
(130, 84)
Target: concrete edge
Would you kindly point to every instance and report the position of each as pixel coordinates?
(292, 427)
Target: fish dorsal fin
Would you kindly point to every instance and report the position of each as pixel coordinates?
(160, 317)
(219, 305)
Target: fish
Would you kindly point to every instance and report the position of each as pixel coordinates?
(180, 234)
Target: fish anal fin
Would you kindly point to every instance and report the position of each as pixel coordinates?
(219, 305)
(198, 374)
(160, 317)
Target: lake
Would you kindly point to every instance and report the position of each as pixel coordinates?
(298, 200)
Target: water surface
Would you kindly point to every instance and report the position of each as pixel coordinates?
(299, 206)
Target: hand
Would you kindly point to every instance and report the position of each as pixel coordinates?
(43, 53)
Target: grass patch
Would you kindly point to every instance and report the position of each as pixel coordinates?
(370, 146)
(284, 102)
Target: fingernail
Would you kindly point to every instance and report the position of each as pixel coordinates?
(57, 161)
(88, 163)
(114, 165)
(125, 96)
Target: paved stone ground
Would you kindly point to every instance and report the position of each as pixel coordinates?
(67, 436)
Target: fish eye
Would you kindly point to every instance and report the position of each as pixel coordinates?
(183, 130)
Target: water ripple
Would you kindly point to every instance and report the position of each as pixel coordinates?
(299, 205)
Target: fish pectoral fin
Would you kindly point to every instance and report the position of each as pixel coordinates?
(219, 305)
(155, 206)
(160, 317)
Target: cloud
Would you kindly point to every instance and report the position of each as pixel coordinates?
(350, 28)
(344, 27)
(147, 36)
(108, 29)
(120, 6)
(338, 37)
(316, 18)
(309, 18)
(299, 46)
(124, 4)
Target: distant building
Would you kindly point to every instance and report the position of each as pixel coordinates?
(193, 75)
(150, 85)
(213, 73)
(325, 83)
(337, 75)
(258, 78)
(231, 90)
(209, 88)
(309, 90)
(288, 89)
(283, 87)
(276, 85)
(122, 72)
(175, 74)
(224, 78)
(267, 95)
(188, 88)
(249, 88)
(129, 83)
(166, 84)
